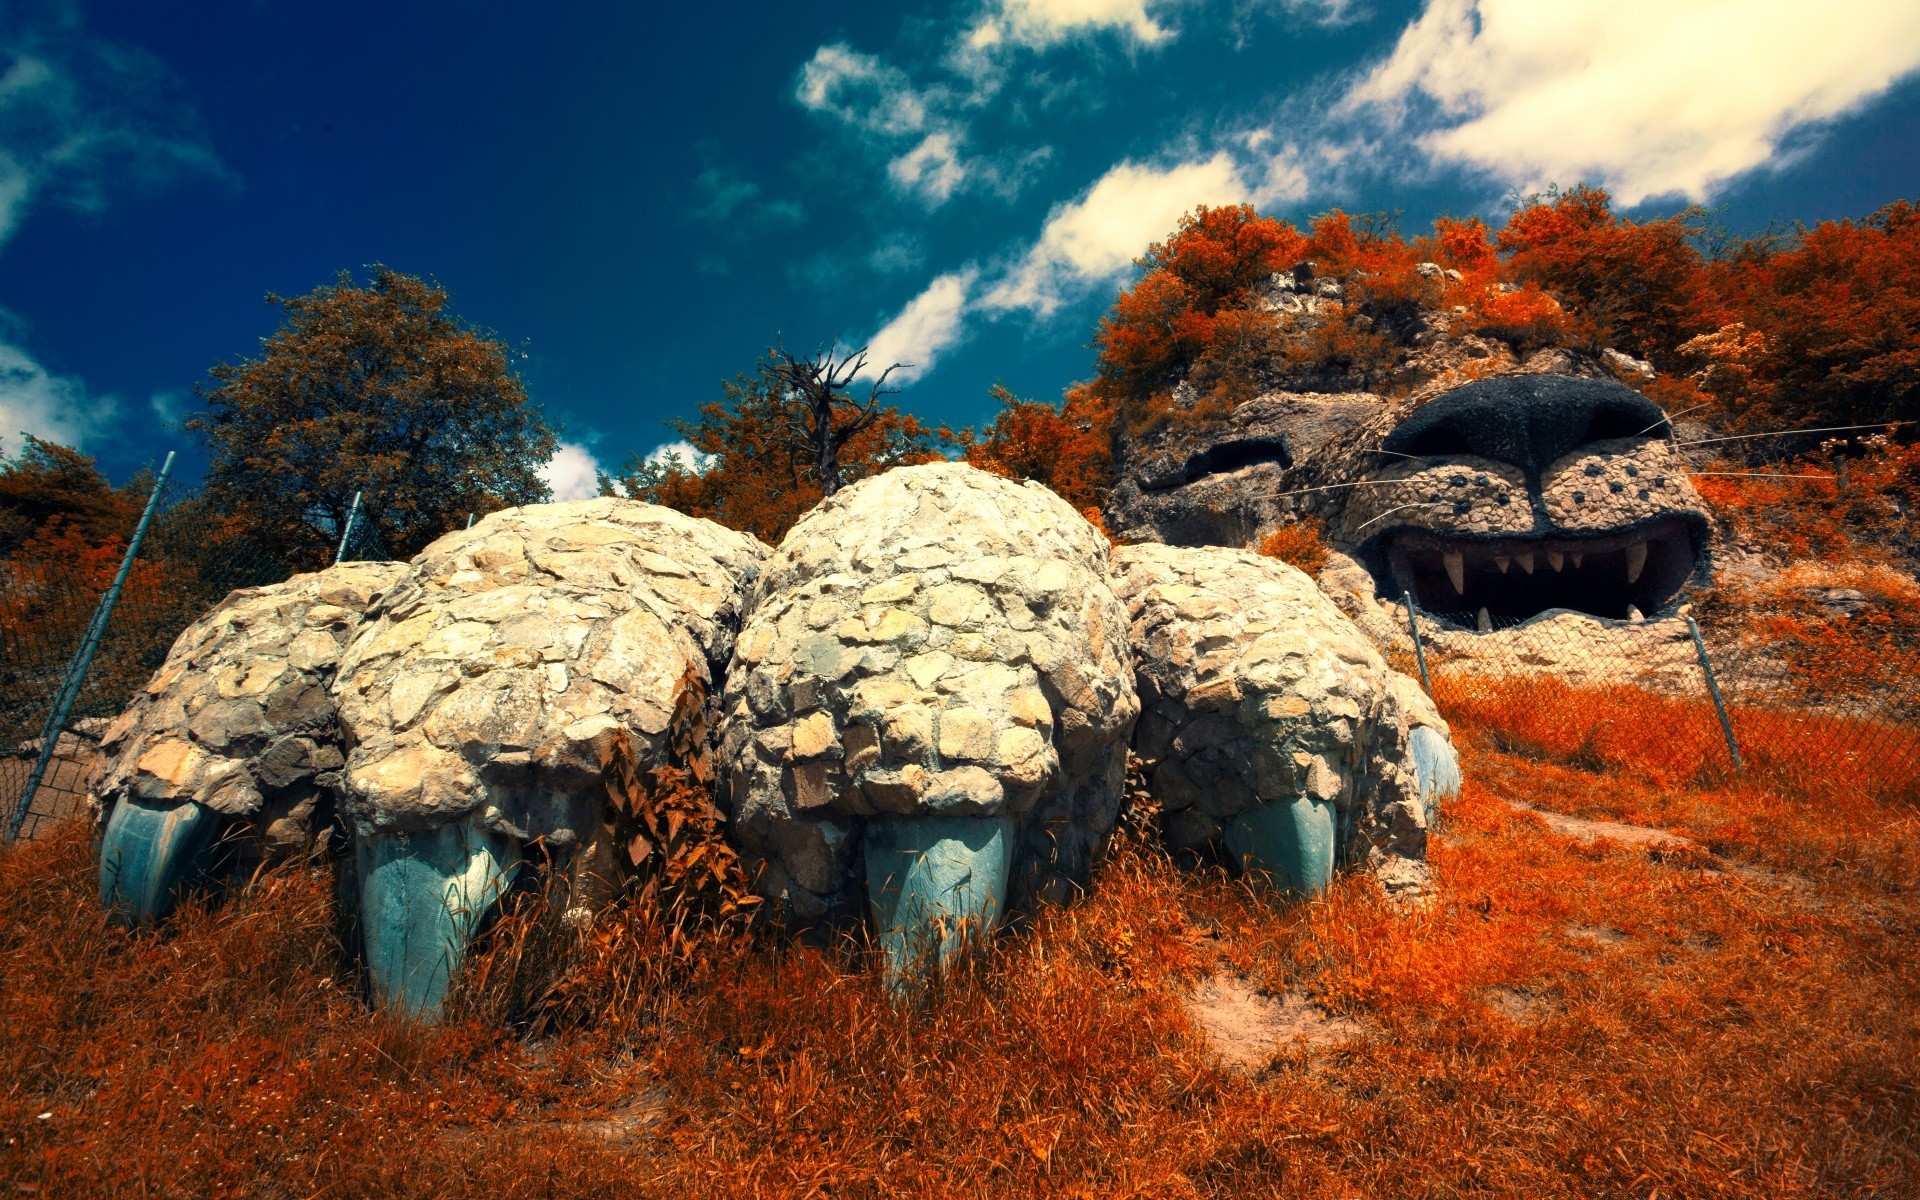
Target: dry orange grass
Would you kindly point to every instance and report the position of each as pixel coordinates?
(1562, 1020)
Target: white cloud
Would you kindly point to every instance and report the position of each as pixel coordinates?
(1645, 97)
(861, 90)
(1041, 23)
(168, 407)
(1097, 237)
(53, 407)
(573, 473)
(683, 450)
(923, 330)
(931, 170)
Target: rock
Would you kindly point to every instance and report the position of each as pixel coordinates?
(495, 676)
(931, 642)
(1256, 691)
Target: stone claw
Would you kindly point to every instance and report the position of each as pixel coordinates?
(1291, 840)
(1438, 764)
(422, 899)
(936, 885)
(150, 854)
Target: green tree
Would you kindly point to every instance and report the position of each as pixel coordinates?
(376, 390)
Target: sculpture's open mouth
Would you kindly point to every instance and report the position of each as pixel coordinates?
(1603, 574)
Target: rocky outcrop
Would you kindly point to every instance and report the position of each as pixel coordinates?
(934, 642)
(493, 680)
(1256, 691)
(239, 719)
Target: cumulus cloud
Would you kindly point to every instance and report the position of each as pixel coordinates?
(573, 473)
(931, 322)
(861, 90)
(56, 408)
(931, 170)
(1096, 238)
(81, 117)
(1645, 97)
(684, 452)
(1041, 23)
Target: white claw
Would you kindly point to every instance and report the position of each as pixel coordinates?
(1556, 560)
(1503, 562)
(1525, 561)
(1457, 571)
(1636, 561)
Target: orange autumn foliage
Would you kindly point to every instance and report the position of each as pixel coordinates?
(1066, 448)
(1298, 545)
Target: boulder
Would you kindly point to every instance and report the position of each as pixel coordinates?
(1266, 713)
(934, 644)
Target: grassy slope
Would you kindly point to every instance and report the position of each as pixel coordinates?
(1565, 1020)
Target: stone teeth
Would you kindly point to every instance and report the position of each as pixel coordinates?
(1457, 571)
(1578, 558)
(1634, 615)
(1556, 560)
(1503, 562)
(1484, 622)
(1636, 561)
(1526, 561)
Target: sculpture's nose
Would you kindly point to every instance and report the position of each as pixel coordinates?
(1528, 421)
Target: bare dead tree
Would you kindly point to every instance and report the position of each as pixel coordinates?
(831, 415)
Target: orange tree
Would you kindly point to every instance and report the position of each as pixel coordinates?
(1066, 447)
(1638, 286)
(1832, 322)
(47, 481)
(759, 464)
(373, 389)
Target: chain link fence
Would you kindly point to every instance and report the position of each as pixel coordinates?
(51, 595)
(1680, 704)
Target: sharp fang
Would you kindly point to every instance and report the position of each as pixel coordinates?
(1457, 571)
(1525, 561)
(1556, 560)
(1503, 562)
(1636, 561)
(1484, 621)
(1634, 615)
(1578, 558)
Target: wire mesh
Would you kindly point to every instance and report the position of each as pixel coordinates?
(193, 557)
(1605, 694)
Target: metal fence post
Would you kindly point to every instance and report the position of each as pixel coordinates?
(77, 667)
(1713, 689)
(346, 531)
(1419, 655)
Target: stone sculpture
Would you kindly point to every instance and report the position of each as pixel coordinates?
(923, 702)
(1496, 505)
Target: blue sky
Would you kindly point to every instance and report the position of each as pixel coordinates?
(640, 200)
